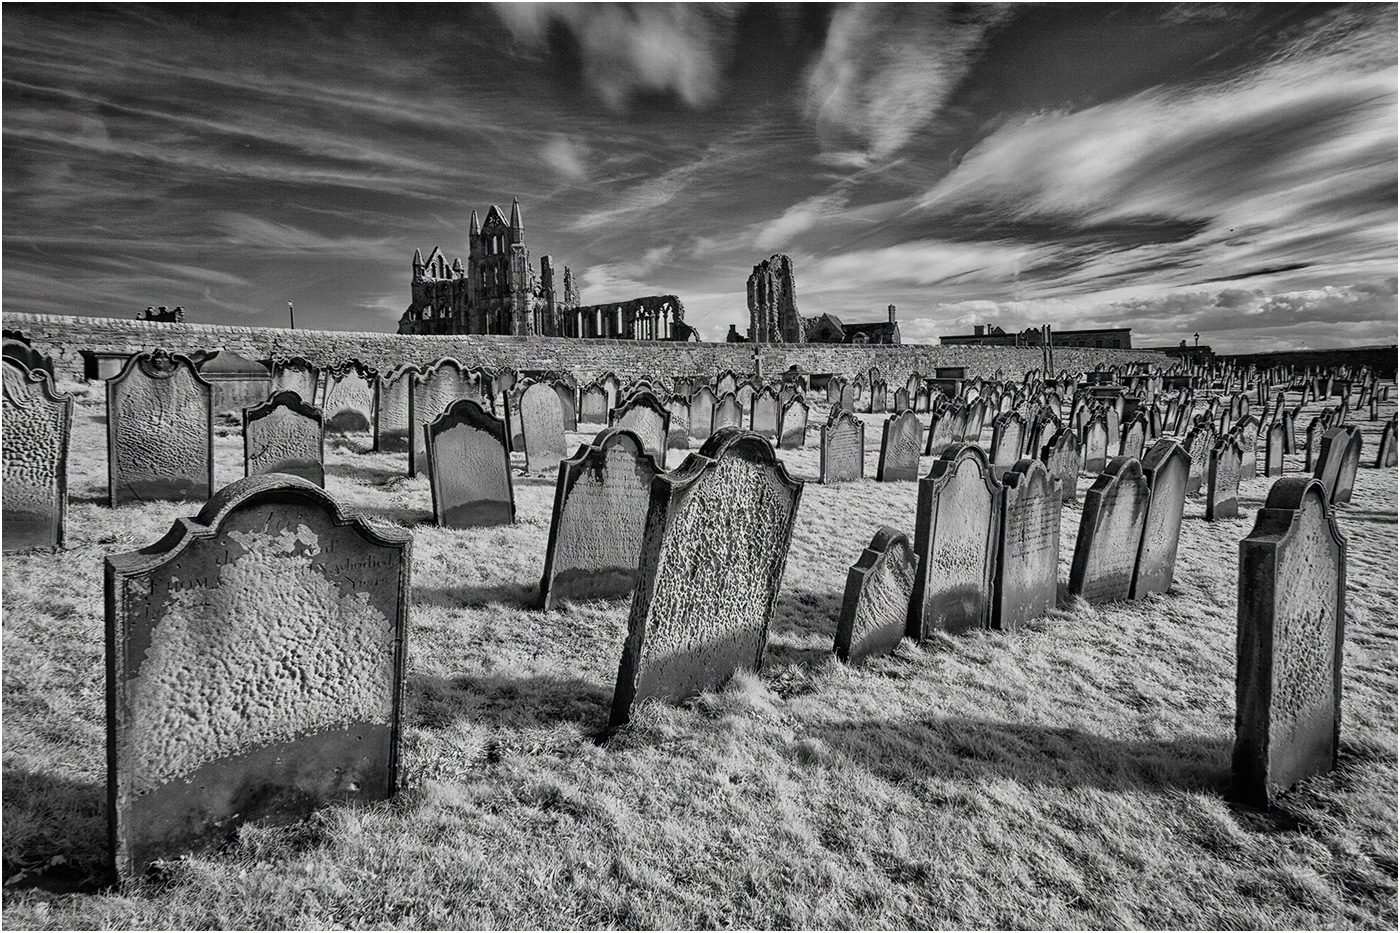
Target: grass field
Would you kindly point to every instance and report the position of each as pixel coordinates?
(1071, 775)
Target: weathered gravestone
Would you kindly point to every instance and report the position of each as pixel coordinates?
(1385, 452)
(568, 403)
(942, 432)
(728, 413)
(678, 429)
(1110, 532)
(1273, 449)
(349, 400)
(842, 448)
(875, 610)
(850, 395)
(432, 392)
(792, 425)
(1095, 445)
(296, 375)
(469, 467)
(1061, 459)
(1338, 461)
(159, 431)
(1246, 431)
(763, 413)
(900, 442)
(255, 669)
(600, 511)
(542, 427)
(1028, 547)
(744, 397)
(1199, 443)
(716, 543)
(1134, 438)
(955, 537)
(593, 405)
(1223, 479)
(1008, 438)
(1291, 615)
(284, 435)
(393, 402)
(644, 415)
(38, 423)
(702, 412)
(1166, 468)
(727, 381)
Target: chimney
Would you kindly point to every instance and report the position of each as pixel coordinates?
(979, 330)
(891, 314)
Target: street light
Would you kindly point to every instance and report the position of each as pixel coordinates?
(1198, 339)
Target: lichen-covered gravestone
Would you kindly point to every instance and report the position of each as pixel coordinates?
(875, 610)
(1165, 468)
(716, 543)
(542, 427)
(644, 415)
(159, 431)
(1291, 614)
(255, 661)
(469, 467)
(1028, 550)
(792, 425)
(1061, 459)
(955, 537)
(842, 448)
(1110, 532)
(899, 448)
(393, 401)
(38, 424)
(600, 511)
(284, 435)
(1223, 480)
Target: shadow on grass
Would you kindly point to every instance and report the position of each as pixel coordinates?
(364, 473)
(503, 699)
(55, 833)
(979, 749)
(514, 594)
(803, 616)
(403, 516)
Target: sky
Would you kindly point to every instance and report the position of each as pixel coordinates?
(1221, 170)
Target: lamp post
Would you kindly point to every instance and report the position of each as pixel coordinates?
(292, 314)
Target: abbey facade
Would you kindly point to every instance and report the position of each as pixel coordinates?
(497, 292)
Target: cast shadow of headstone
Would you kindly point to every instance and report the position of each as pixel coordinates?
(55, 833)
(802, 616)
(512, 594)
(364, 472)
(1033, 755)
(505, 700)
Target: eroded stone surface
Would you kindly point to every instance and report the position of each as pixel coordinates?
(393, 406)
(1028, 552)
(1165, 468)
(728, 413)
(37, 425)
(433, 392)
(900, 443)
(469, 468)
(593, 405)
(763, 413)
(1110, 532)
(875, 610)
(842, 448)
(955, 539)
(257, 669)
(349, 405)
(542, 428)
(1061, 459)
(284, 435)
(1095, 446)
(793, 427)
(644, 415)
(159, 432)
(1223, 480)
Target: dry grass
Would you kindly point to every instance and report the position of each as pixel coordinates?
(1072, 775)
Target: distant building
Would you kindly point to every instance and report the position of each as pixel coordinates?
(773, 316)
(1110, 338)
(167, 316)
(828, 328)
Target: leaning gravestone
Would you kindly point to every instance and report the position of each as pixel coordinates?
(955, 538)
(1246, 431)
(1134, 438)
(255, 669)
(792, 425)
(1346, 449)
(1061, 459)
(942, 430)
(1028, 549)
(875, 610)
(1166, 468)
(349, 403)
(568, 403)
(644, 415)
(284, 435)
(842, 448)
(1223, 480)
(469, 467)
(600, 512)
(1110, 532)
(1291, 615)
(1095, 445)
(1273, 449)
(1199, 443)
(542, 427)
(1008, 440)
(716, 542)
(1385, 452)
(899, 448)
(159, 431)
(38, 423)
(763, 413)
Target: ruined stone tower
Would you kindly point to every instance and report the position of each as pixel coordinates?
(773, 316)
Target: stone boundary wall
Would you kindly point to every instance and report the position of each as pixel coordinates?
(64, 337)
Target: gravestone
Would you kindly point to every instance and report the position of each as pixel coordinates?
(713, 554)
(1134, 438)
(568, 403)
(955, 537)
(1165, 468)
(432, 392)
(296, 375)
(903, 400)
(469, 467)
(284, 435)
(1008, 438)
(678, 428)
(255, 669)
(1028, 547)
(1290, 431)
(1246, 430)
(833, 390)
(38, 423)
(744, 397)
(792, 427)
(842, 448)
(600, 511)
(159, 431)
(593, 405)
(727, 413)
(1345, 450)
(392, 402)
(875, 610)
(1095, 446)
(878, 392)
(542, 427)
(1223, 479)
(1199, 443)
(1291, 618)
(644, 415)
(1110, 533)
(727, 381)
(1061, 459)
(348, 407)
(943, 432)
(900, 442)
(763, 413)
(1273, 449)
(1385, 452)
(702, 413)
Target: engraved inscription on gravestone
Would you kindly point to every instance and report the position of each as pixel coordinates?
(1028, 552)
(899, 448)
(842, 448)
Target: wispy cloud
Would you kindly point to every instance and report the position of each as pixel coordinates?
(567, 156)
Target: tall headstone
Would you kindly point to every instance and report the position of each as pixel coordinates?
(1028, 546)
(1338, 462)
(942, 432)
(433, 391)
(392, 402)
(1134, 438)
(349, 400)
(1199, 443)
(1246, 430)
(1110, 532)
(1291, 616)
(255, 669)
(38, 423)
(1061, 459)
(728, 413)
(792, 425)
(600, 511)
(542, 427)
(678, 428)
(284, 435)
(644, 415)
(296, 375)
(713, 554)
(1223, 479)
(568, 403)
(900, 442)
(842, 448)
(593, 404)
(1008, 439)
(1385, 452)
(1166, 468)
(159, 431)
(1273, 449)
(763, 413)
(1095, 446)
(469, 467)
(955, 537)
(702, 412)
(875, 610)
